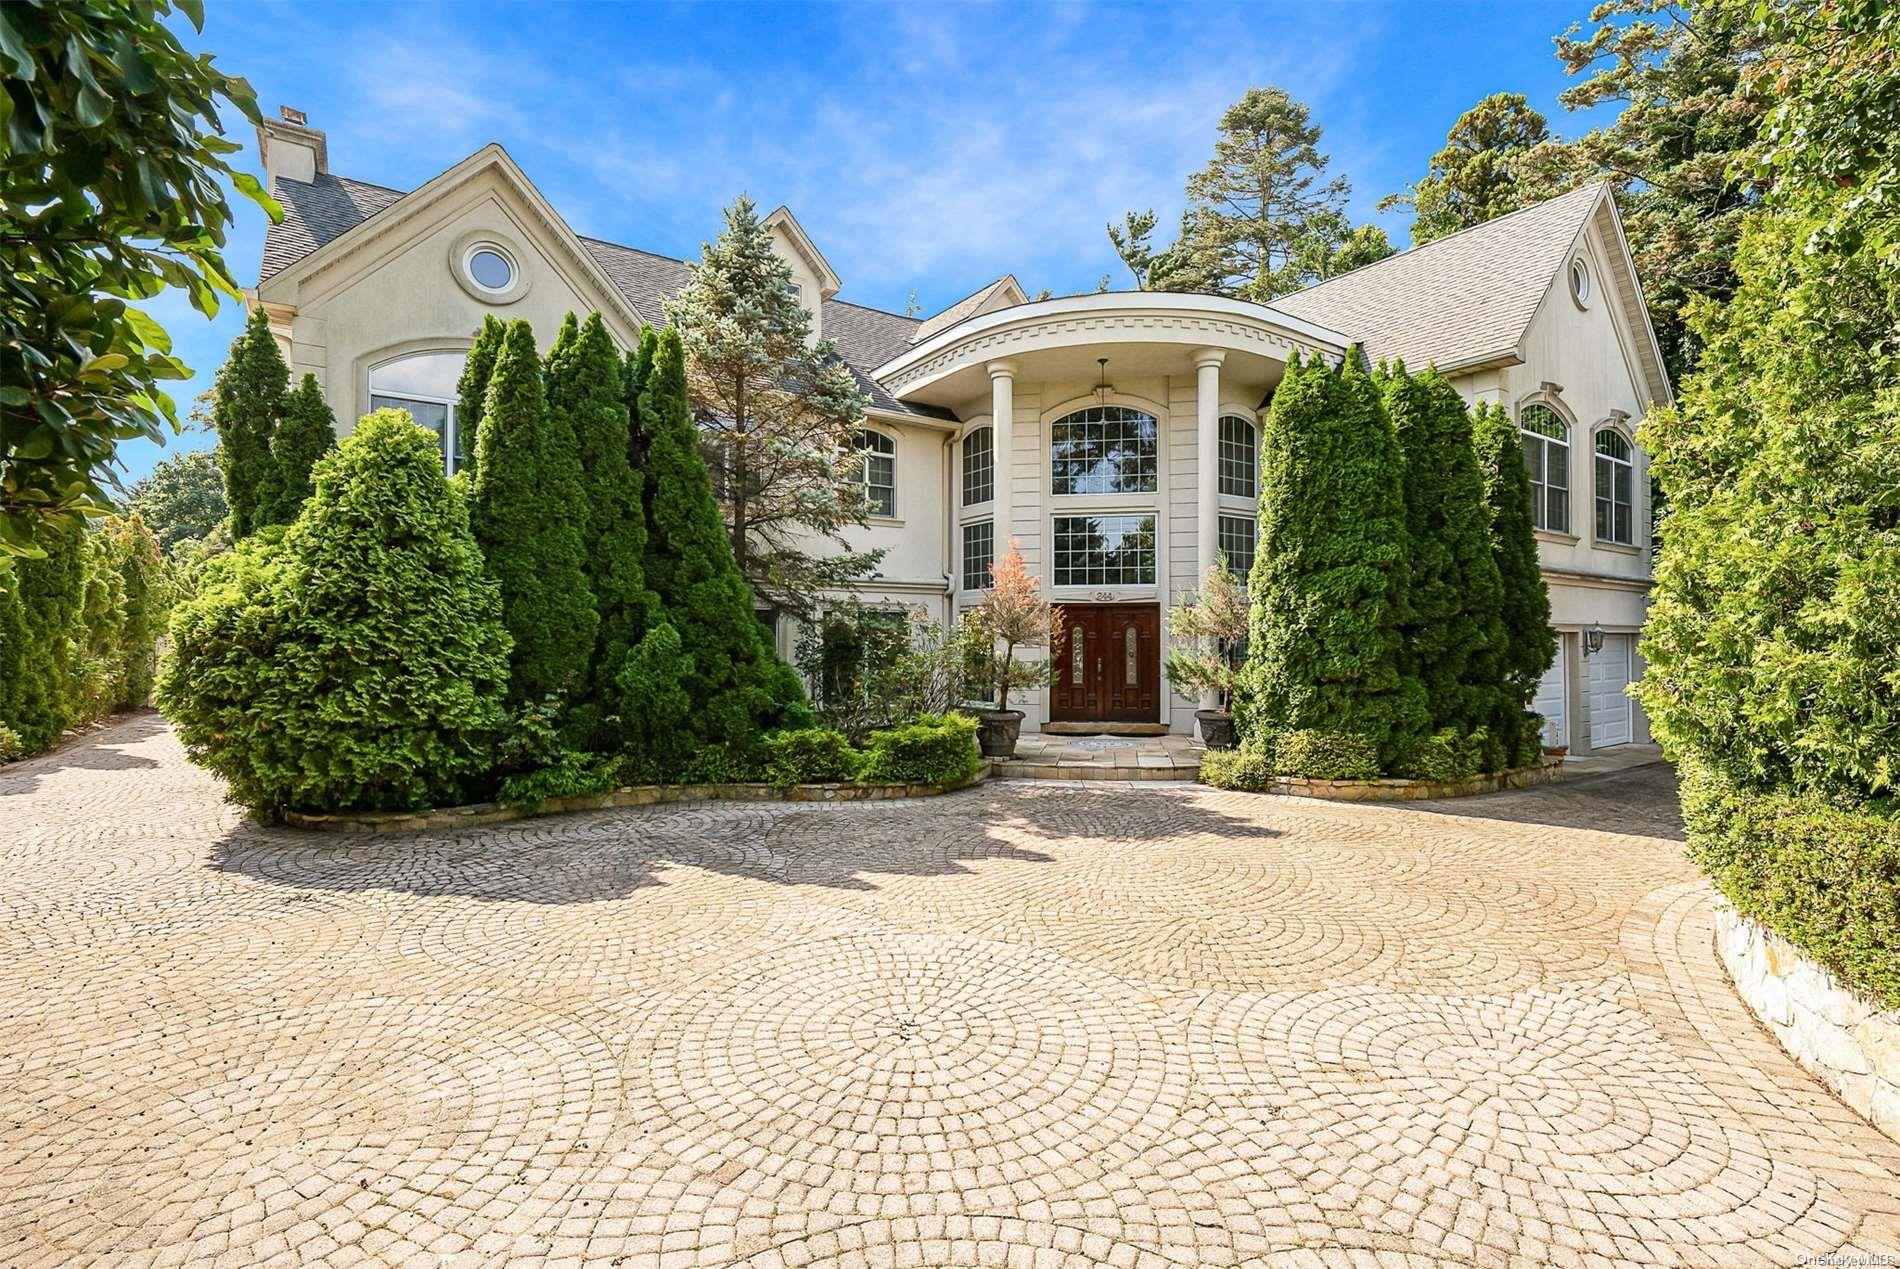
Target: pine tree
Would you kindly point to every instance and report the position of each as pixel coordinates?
(587, 386)
(1329, 578)
(471, 390)
(737, 686)
(1453, 635)
(1474, 177)
(779, 417)
(307, 433)
(527, 487)
(251, 387)
(1524, 608)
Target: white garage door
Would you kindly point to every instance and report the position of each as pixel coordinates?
(1552, 694)
(1609, 707)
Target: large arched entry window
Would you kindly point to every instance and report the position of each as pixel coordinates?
(1105, 449)
(424, 385)
(1546, 441)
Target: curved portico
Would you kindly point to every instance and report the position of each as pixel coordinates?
(1113, 437)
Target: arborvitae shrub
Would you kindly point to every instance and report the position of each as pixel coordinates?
(471, 390)
(528, 521)
(1453, 636)
(305, 434)
(587, 387)
(360, 662)
(737, 686)
(42, 602)
(129, 547)
(932, 749)
(1524, 603)
(810, 755)
(249, 400)
(1329, 577)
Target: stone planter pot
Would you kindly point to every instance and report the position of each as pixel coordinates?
(1217, 728)
(997, 730)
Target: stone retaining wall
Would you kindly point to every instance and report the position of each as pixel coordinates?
(637, 795)
(1397, 790)
(1851, 1045)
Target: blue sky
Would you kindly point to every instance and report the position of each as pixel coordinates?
(924, 147)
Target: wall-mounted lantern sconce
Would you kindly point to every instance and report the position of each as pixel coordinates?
(1593, 640)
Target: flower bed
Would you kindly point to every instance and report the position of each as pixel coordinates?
(450, 817)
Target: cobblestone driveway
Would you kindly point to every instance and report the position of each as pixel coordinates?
(1026, 1025)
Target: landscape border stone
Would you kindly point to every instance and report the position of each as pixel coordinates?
(480, 813)
(1394, 789)
(1845, 1041)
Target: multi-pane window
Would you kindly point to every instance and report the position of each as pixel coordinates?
(1239, 458)
(1105, 449)
(979, 552)
(1616, 489)
(1114, 550)
(979, 466)
(1236, 544)
(426, 385)
(880, 472)
(1546, 442)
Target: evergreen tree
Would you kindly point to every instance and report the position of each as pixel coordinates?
(1328, 586)
(587, 386)
(779, 418)
(1453, 633)
(41, 607)
(1524, 608)
(527, 490)
(471, 390)
(1474, 177)
(737, 687)
(307, 433)
(182, 500)
(639, 365)
(251, 387)
(132, 550)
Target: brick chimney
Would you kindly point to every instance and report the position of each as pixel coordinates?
(291, 148)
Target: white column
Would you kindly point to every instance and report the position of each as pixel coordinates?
(1003, 420)
(1207, 363)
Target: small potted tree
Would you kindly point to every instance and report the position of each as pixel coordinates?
(1014, 614)
(1203, 632)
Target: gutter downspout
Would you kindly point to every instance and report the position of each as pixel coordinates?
(949, 527)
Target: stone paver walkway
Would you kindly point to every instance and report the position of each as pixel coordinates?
(1104, 758)
(1031, 1024)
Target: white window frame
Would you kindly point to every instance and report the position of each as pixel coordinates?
(1253, 522)
(964, 580)
(1222, 448)
(868, 446)
(1055, 549)
(988, 434)
(1539, 474)
(1627, 462)
(1065, 418)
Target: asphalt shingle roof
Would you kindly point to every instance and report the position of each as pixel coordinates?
(1458, 298)
(320, 211)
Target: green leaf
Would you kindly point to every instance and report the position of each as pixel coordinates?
(195, 11)
(14, 49)
(92, 108)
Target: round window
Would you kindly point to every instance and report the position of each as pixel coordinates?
(491, 269)
(1579, 281)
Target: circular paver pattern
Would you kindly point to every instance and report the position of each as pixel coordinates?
(1036, 1024)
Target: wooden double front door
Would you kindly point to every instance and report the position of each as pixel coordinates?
(1109, 665)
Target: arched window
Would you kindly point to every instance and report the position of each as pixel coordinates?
(979, 466)
(1105, 449)
(1616, 488)
(424, 385)
(1546, 442)
(1239, 458)
(880, 472)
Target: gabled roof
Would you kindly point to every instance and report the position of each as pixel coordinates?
(1002, 293)
(787, 224)
(317, 213)
(1459, 300)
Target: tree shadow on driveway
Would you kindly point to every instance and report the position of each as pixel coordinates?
(1635, 802)
(96, 749)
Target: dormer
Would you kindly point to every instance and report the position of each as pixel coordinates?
(291, 148)
(812, 276)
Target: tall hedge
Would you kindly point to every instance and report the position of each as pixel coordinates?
(738, 687)
(131, 550)
(471, 390)
(527, 496)
(41, 604)
(360, 663)
(305, 434)
(249, 400)
(587, 387)
(1453, 634)
(1524, 605)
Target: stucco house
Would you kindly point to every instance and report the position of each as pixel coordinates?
(1113, 436)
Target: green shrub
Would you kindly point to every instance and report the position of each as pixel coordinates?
(306, 433)
(1529, 643)
(357, 663)
(42, 605)
(724, 763)
(1322, 755)
(471, 391)
(1245, 770)
(527, 514)
(1446, 754)
(935, 749)
(11, 747)
(810, 755)
(1329, 578)
(1825, 877)
(575, 775)
(248, 400)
